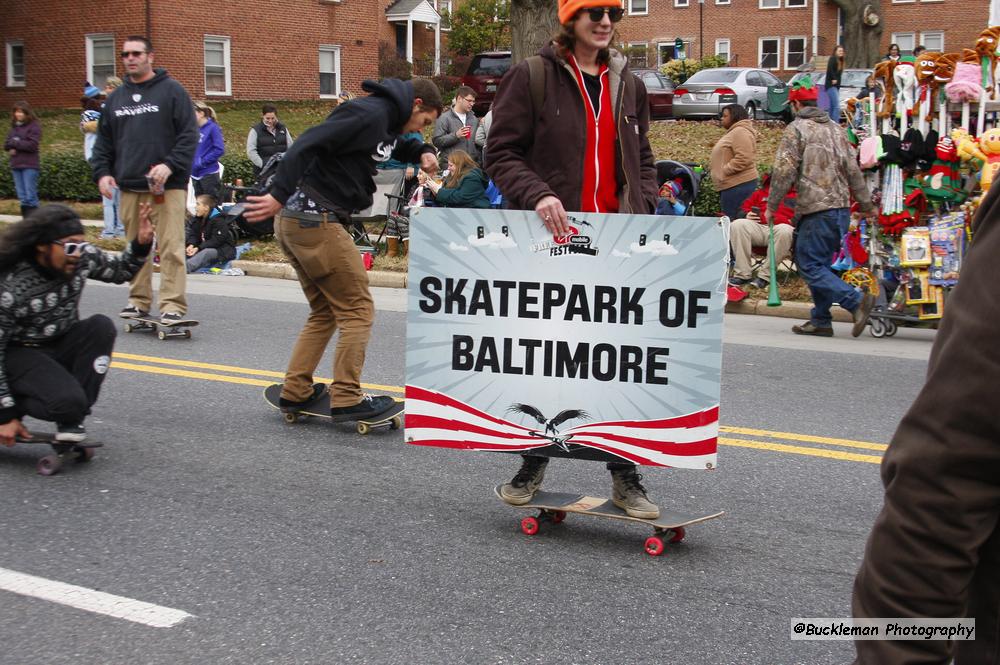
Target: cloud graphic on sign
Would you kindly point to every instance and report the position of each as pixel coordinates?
(455, 247)
(623, 255)
(493, 240)
(656, 248)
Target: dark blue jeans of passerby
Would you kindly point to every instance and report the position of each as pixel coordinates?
(817, 240)
(732, 199)
(26, 186)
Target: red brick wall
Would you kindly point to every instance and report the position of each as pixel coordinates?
(961, 20)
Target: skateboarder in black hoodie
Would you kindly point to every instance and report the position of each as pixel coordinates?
(146, 140)
(325, 175)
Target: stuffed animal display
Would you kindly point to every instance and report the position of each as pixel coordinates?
(905, 78)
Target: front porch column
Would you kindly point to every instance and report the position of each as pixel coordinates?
(409, 40)
(437, 48)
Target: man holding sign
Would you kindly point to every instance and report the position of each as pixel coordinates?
(590, 98)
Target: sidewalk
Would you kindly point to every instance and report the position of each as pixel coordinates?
(397, 280)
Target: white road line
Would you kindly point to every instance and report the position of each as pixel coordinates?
(90, 600)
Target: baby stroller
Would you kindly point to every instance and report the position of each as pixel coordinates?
(234, 213)
(685, 175)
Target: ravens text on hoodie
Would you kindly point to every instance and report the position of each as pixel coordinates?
(144, 124)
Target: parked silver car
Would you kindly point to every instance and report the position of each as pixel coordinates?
(851, 82)
(706, 92)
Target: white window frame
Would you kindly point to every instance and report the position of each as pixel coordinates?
(728, 49)
(645, 47)
(760, 53)
(723, 2)
(226, 63)
(903, 2)
(335, 49)
(659, 53)
(682, 3)
(772, 4)
(9, 49)
(938, 33)
(895, 38)
(90, 58)
(632, 11)
(803, 4)
(805, 50)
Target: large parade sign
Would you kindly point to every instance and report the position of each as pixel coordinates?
(603, 345)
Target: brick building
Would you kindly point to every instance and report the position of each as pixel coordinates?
(782, 34)
(218, 49)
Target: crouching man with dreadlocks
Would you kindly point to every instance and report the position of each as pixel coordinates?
(52, 363)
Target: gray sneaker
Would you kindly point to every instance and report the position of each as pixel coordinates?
(526, 482)
(628, 494)
(70, 433)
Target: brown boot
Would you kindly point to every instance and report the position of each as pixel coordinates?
(406, 247)
(392, 247)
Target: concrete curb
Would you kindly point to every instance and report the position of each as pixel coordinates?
(789, 310)
(383, 278)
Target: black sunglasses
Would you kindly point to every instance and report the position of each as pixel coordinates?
(596, 14)
(134, 54)
(72, 247)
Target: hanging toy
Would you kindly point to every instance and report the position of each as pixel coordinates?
(986, 49)
(883, 79)
(925, 68)
(905, 78)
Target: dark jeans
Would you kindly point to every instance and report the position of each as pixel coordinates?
(817, 239)
(59, 382)
(209, 184)
(612, 466)
(732, 199)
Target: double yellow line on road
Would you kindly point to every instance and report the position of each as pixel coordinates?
(758, 439)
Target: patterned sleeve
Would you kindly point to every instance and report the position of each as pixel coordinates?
(7, 322)
(785, 171)
(116, 269)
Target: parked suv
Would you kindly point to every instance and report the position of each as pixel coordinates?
(483, 76)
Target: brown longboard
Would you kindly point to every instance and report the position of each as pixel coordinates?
(553, 507)
(320, 408)
(163, 330)
(65, 451)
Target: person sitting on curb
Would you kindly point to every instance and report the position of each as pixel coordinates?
(52, 363)
(207, 237)
(752, 231)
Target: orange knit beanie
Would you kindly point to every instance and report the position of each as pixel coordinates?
(569, 8)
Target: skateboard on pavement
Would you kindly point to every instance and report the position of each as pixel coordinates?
(553, 506)
(163, 330)
(65, 451)
(320, 408)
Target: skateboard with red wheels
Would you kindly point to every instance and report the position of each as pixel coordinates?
(180, 328)
(320, 408)
(64, 451)
(553, 507)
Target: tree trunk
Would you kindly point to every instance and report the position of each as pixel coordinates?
(533, 23)
(861, 40)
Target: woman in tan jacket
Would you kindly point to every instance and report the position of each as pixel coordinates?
(734, 160)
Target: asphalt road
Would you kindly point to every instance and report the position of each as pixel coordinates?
(312, 544)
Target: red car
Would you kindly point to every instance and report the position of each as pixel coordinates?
(483, 76)
(659, 91)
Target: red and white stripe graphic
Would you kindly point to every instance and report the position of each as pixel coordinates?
(688, 441)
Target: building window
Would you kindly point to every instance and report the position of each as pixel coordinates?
(722, 48)
(217, 74)
(768, 52)
(638, 7)
(637, 58)
(681, 3)
(900, 2)
(722, 2)
(100, 58)
(795, 52)
(329, 71)
(769, 4)
(15, 65)
(906, 41)
(665, 52)
(796, 3)
(933, 40)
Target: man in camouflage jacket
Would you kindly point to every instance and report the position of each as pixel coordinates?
(815, 158)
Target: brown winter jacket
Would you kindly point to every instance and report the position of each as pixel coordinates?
(531, 159)
(734, 157)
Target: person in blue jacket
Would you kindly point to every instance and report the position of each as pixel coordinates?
(465, 186)
(205, 174)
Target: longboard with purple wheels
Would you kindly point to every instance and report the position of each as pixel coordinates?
(320, 408)
(163, 330)
(553, 507)
(65, 451)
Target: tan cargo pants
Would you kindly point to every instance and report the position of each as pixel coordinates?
(168, 218)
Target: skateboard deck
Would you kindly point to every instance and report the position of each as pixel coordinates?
(163, 330)
(65, 451)
(320, 408)
(554, 506)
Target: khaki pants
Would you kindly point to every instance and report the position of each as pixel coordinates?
(333, 278)
(744, 234)
(168, 218)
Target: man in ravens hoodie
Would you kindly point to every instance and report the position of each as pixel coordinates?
(327, 174)
(146, 140)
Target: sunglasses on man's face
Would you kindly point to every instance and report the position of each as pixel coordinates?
(72, 247)
(134, 54)
(596, 14)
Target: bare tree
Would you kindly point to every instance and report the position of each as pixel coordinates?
(532, 25)
(862, 31)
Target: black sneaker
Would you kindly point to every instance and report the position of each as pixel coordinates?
(738, 281)
(166, 318)
(526, 481)
(319, 390)
(132, 312)
(759, 283)
(70, 433)
(370, 406)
